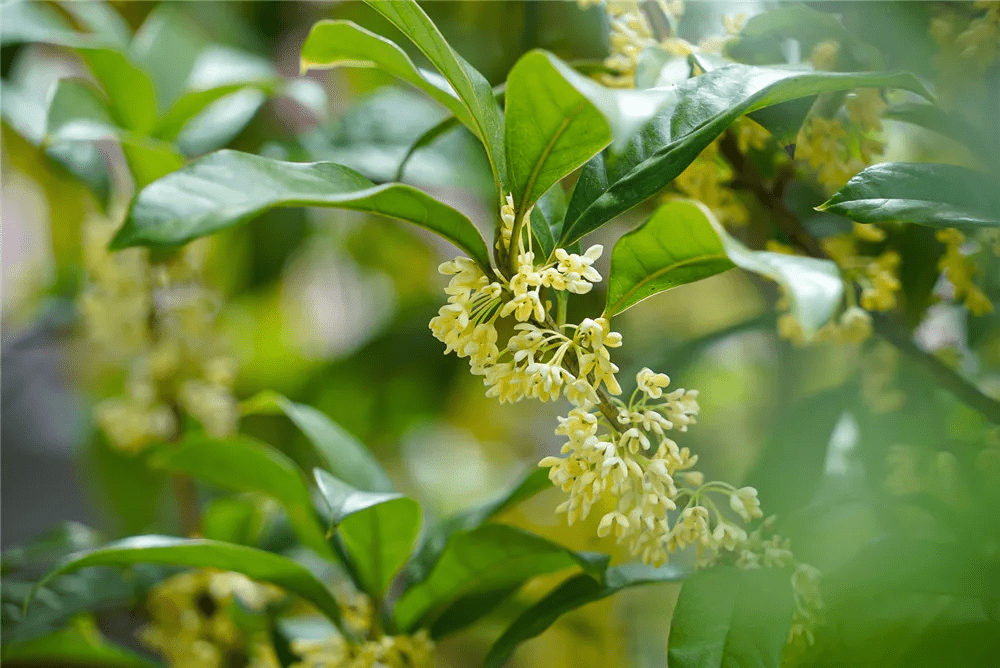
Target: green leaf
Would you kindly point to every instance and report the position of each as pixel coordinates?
(436, 537)
(551, 128)
(814, 287)
(573, 593)
(168, 29)
(730, 617)
(221, 121)
(782, 120)
(101, 19)
(491, 557)
(245, 465)
(342, 454)
(924, 193)
(346, 44)
(150, 160)
(470, 86)
(131, 97)
(378, 529)
(676, 245)
(706, 106)
(626, 110)
(73, 646)
(547, 217)
(226, 188)
(77, 113)
(374, 135)
(200, 553)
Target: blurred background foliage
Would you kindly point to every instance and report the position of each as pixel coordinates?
(330, 308)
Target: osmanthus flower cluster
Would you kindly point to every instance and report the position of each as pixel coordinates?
(613, 448)
(157, 321)
(192, 625)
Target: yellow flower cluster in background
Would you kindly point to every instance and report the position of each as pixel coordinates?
(837, 148)
(191, 624)
(959, 269)
(157, 321)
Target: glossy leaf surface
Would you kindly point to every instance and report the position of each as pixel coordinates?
(706, 106)
(731, 617)
(378, 529)
(226, 188)
(676, 245)
(925, 193)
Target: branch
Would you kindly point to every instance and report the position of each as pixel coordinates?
(749, 178)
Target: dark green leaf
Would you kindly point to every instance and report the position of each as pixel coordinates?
(470, 86)
(243, 464)
(924, 193)
(467, 610)
(73, 646)
(378, 529)
(551, 130)
(491, 557)
(226, 188)
(342, 454)
(200, 553)
(547, 217)
(707, 105)
(437, 536)
(676, 245)
(730, 617)
(573, 593)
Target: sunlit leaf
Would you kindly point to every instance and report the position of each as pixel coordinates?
(925, 193)
(200, 553)
(706, 106)
(572, 594)
(243, 464)
(676, 245)
(377, 529)
(489, 558)
(731, 617)
(341, 453)
(226, 188)
(131, 97)
(551, 128)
